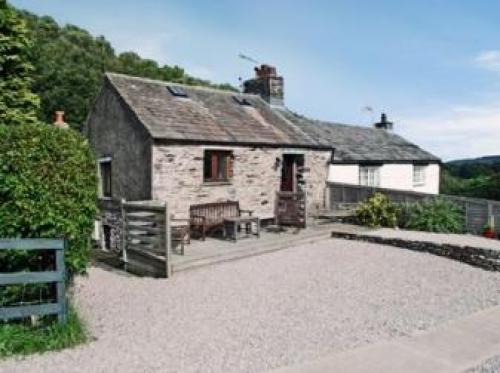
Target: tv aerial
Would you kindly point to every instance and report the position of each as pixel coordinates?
(249, 59)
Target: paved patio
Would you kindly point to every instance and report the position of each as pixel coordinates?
(215, 250)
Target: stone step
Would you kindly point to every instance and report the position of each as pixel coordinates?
(255, 244)
(249, 252)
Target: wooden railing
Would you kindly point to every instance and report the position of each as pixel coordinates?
(58, 276)
(477, 212)
(146, 242)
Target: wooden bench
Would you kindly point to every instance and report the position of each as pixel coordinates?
(210, 216)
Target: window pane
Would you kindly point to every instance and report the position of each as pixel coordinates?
(222, 166)
(207, 165)
(418, 175)
(369, 175)
(105, 169)
(216, 165)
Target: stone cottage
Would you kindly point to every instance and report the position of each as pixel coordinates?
(188, 145)
(191, 145)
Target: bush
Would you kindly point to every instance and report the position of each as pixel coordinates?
(48, 188)
(377, 211)
(436, 215)
(21, 339)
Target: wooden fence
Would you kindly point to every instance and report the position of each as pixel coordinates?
(58, 276)
(146, 243)
(478, 212)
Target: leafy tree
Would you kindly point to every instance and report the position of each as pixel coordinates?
(18, 105)
(70, 62)
(472, 180)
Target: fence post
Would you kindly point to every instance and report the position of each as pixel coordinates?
(490, 214)
(61, 285)
(124, 233)
(168, 242)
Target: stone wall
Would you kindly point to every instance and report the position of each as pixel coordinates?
(110, 215)
(114, 132)
(178, 178)
(484, 258)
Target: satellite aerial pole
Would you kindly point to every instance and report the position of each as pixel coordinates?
(247, 58)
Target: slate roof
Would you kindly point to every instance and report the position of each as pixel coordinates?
(213, 116)
(207, 115)
(360, 144)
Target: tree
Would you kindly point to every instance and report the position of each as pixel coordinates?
(18, 104)
(69, 66)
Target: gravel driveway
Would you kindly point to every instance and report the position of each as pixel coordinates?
(266, 311)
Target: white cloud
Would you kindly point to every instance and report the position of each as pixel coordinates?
(460, 132)
(489, 60)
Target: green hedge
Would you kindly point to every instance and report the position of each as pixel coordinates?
(434, 215)
(48, 188)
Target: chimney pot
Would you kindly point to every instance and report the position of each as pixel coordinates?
(267, 84)
(59, 119)
(384, 123)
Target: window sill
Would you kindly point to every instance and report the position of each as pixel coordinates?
(216, 183)
(419, 185)
(105, 198)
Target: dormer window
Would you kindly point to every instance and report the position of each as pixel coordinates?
(177, 91)
(242, 101)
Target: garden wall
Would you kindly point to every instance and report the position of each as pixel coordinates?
(484, 258)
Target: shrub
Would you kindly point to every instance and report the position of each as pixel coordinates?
(48, 188)
(436, 215)
(21, 339)
(377, 211)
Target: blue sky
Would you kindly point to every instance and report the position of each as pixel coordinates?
(433, 66)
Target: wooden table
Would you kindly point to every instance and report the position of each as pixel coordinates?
(231, 226)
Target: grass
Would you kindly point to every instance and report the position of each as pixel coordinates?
(19, 339)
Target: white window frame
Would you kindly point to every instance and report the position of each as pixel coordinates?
(101, 192)
(369, 176)
(419, 174)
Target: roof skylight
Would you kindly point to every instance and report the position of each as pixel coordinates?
(177, 91)
(242, 101)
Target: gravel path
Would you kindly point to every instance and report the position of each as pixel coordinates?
(267, 311)
(489, 366)
(453, 239)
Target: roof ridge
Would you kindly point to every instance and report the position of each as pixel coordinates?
(168, 82)
(300, 116)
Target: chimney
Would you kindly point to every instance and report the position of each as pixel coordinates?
(267, 84)
(384, 123)
(59, 120)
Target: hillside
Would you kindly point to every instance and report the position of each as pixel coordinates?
(69, 64)
(478, 177)
(490, 159)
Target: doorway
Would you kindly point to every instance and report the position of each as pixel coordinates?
(292, 178)
(291, 199)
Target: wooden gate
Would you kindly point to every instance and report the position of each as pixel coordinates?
(146, 242)
(291, 209)
(57, 276)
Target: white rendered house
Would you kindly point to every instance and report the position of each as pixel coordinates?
(373, 156)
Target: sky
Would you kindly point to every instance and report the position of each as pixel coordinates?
(432, 66)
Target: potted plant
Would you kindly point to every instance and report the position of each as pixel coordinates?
(489, 230)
